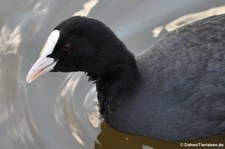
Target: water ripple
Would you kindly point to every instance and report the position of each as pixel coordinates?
(77, 108)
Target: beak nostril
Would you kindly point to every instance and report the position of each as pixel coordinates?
(41, 65)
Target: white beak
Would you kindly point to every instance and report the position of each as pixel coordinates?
(44, 64)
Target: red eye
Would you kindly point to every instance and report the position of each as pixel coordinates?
(67, 47)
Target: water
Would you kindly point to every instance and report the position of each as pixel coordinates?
(60, 110)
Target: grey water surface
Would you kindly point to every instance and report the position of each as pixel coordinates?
(59, 110)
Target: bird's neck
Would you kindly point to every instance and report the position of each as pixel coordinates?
(118, 83)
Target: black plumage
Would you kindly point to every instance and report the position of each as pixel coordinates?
(174, 90)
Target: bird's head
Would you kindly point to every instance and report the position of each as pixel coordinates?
(79, 44)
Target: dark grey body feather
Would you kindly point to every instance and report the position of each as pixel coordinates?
(173, 91)
(180, 90)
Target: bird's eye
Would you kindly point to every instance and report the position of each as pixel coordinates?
(67, 47)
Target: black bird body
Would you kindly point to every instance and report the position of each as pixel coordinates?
(180, 92)
(173, 91)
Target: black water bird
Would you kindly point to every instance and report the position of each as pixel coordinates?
(172, 91)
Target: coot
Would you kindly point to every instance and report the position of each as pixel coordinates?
(172, 91)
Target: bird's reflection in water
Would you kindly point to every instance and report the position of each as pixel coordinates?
(110, 138)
